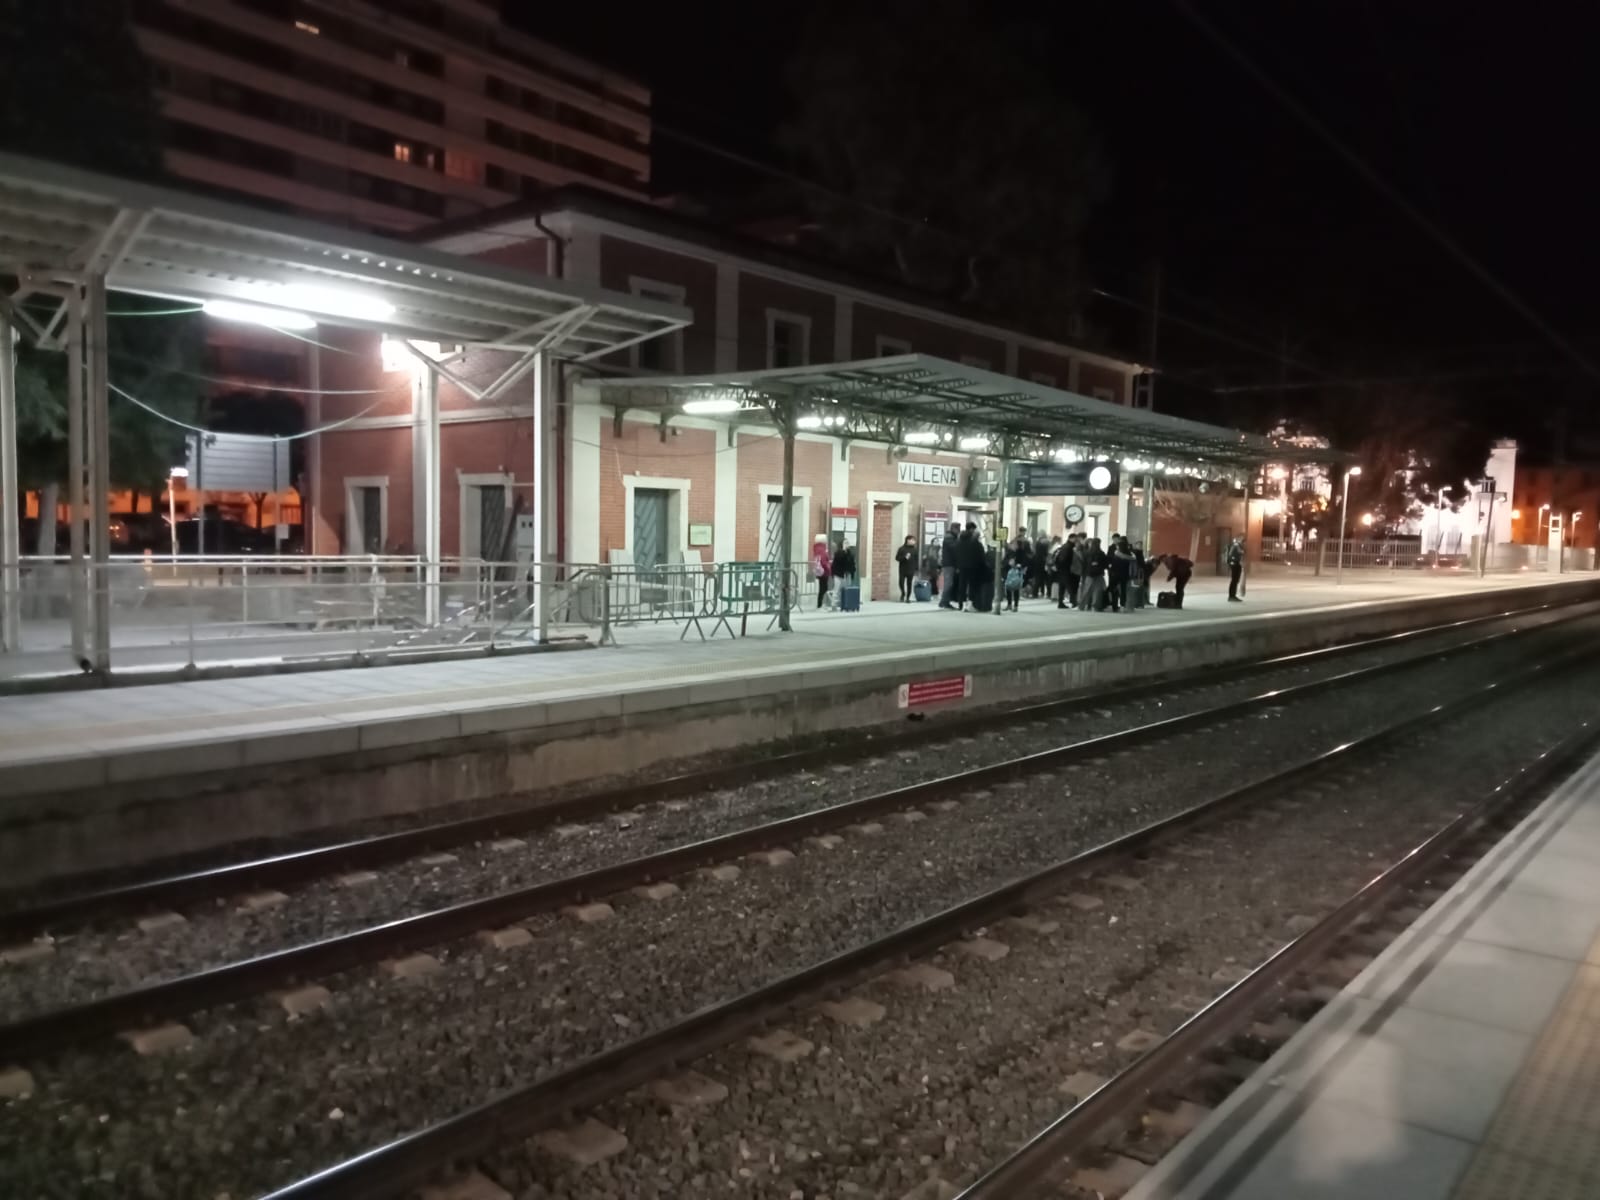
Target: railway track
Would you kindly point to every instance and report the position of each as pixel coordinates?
(405, 1163)
(25, 915)
(1272, 1000)
(141, 1007)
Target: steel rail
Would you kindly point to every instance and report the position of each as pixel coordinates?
(1077, 1129)
(392, 1169)
(283, 870)
(41, 1033)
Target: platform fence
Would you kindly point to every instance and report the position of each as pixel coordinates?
(197, 610)
(1407, 554)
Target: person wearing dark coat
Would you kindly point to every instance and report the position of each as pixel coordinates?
(1095, 562)
(1080, 569)
(1119, 563)
(1066, 576)
(1235, 568)
(951, 594)
(1178, 568)
(844, 565)
(970, 562)
(906, 558)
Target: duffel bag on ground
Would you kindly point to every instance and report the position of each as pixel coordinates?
(1168, 600)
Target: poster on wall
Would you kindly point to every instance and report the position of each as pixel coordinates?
(929, 475)
(699, 535)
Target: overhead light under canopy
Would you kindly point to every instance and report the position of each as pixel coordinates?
(257, 314)
(712, 406)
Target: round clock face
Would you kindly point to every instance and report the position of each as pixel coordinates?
(1074, 514)
(1100, 477)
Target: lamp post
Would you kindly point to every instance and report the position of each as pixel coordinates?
(1344, 523)
(173, 476)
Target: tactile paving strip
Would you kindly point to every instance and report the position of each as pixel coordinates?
(1544, 1143)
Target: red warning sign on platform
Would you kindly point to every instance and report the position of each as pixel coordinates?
(935, 691)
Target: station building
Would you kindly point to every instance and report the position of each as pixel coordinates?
(646, 484)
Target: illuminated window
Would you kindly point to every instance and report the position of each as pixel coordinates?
(307, 27)
(402, 152)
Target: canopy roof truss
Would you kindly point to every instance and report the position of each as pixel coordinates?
(924, 400)
(59, 225)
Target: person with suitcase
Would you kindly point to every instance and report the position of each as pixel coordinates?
(1179, 569)
(844, 570)
(906, 559)
(821, 566)
(1235, 569)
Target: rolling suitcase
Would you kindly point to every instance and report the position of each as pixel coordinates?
(850, 598)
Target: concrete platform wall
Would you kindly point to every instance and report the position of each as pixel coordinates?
(500, 757)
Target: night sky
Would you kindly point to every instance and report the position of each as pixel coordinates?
(1481, 116)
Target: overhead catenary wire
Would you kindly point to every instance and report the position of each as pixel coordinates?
(1374, 179)
(204, 432)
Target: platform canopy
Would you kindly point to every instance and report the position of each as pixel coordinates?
(58, 223)
(68, 237)
(918, 399)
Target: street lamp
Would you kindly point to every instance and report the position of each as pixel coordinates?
(1344, 523)
(1282, 477)
(173, 476)
(1366, 519)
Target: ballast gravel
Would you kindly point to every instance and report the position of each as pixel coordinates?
(261, 1098)
(94, 961)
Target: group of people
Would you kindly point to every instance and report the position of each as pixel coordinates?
(1079, 570)
(830, 566)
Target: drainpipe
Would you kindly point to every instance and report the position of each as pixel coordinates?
(556, 260)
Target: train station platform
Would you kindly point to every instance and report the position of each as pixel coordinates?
(1462, 1064)
(91, 775)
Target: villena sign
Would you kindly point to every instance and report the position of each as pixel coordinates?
(929, 475)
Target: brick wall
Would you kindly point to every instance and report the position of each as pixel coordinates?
(369, 452)
(1031, 362)
(757, 293)
(761, 462)
(620, 259)
(686, 454)
(926, 337)
(482, 448)
(1093, 375)
(885, 584)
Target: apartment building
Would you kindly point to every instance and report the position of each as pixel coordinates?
(388, 115)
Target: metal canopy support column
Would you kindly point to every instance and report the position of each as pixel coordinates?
(544, 495)
(10, 517)
(785, 410)
(425, 485)
(99, 447)
(77, 599)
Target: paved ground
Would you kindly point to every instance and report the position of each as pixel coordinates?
(1462, 1064)
(57, 727)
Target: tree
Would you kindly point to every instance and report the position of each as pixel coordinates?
(1195, 502)
(154, 358)
(948, 156)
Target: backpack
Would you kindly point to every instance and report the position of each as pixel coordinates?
(1014, 578)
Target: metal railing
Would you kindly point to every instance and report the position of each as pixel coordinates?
(1407, 554)
(197, 611)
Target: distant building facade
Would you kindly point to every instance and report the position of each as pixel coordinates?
(389, 114)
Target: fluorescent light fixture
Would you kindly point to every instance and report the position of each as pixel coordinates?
(394, 356)
(332, 301)
(974, 443)
(256, 314)
(1066, 454)
(809, 423)
(719, 404)
(921, 437)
